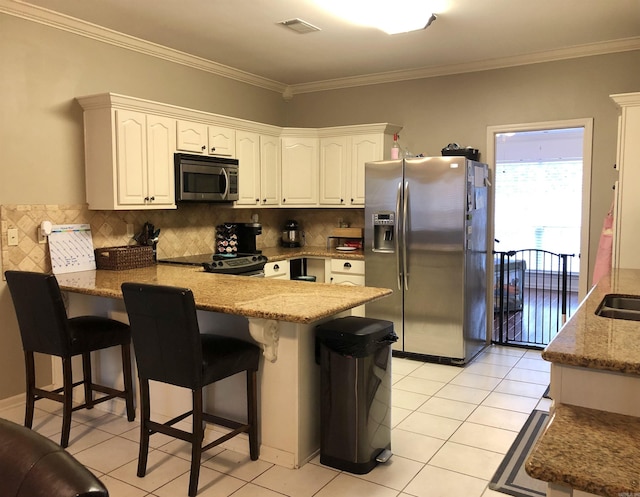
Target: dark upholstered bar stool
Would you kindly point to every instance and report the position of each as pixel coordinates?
(170, 349)
(45, 328)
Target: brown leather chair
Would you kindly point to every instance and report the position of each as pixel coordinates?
(33, 466)
(45, 328)
(170, 349)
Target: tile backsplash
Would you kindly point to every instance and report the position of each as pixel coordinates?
(188, 230)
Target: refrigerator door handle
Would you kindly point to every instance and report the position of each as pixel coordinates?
(405, 232)
(396, 230)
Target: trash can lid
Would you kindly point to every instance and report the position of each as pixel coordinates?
(354, 329)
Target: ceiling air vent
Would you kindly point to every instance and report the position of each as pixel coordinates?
(299, 26)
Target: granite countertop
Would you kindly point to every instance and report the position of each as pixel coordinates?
(275, 254)
(561, 455)
(595, 342)
(281, 300)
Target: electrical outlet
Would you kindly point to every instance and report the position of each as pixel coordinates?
(130, 230)
(41, 236)
(12, 237)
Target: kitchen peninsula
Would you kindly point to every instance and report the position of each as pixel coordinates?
(592, 443)
(279, 314)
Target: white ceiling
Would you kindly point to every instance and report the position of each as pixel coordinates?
(467, 35)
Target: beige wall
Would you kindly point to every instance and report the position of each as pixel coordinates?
(438, 111)
(44, 69)
(41, 142)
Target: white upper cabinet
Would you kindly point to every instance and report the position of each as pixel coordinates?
(365, 148)
(248, 155)
(299, 171)
(161, 145)
(259, 176)
(192, 137)
(128, 158)
(334, 166)
(270, 172)
(131, 142)
(222, 141)
(342, 160)
(199, 138)
(627, 234)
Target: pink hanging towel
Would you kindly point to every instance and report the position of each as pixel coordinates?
(605, 248)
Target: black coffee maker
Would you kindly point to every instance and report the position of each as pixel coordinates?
(247, 233)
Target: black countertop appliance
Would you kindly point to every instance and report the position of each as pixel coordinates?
(247, 233)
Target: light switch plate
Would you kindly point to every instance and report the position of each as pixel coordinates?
(12, 237)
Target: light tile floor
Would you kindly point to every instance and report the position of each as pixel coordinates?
(451, 429)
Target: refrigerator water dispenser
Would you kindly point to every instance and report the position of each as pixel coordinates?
(383, 229)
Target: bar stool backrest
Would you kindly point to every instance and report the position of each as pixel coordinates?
(40, 310)
(165, 333)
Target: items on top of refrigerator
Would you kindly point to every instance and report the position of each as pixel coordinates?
(457, 150)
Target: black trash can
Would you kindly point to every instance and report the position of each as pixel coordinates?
(355, 419)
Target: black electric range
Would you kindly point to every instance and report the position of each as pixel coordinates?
(238, 264)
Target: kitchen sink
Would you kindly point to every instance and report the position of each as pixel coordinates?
(619, 306)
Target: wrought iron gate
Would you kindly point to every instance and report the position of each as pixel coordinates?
(535, 291)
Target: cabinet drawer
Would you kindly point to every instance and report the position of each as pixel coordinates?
(347, 266)
(347, 279)
(279, 269)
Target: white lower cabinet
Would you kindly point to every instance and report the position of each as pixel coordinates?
(279, 269)
(348, 272)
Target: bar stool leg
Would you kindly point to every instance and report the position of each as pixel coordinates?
(145, 414)
(128, 380)
(31, 385)
(67, 402)
(196, 442)
(88, 379)
(252, 414)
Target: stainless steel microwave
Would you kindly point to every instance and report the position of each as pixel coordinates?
(206, 179)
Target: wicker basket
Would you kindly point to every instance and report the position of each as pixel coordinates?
(119, 258)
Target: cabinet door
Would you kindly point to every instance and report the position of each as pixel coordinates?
(333, 170)
(269, 170)
(222, 141)
(278, 269)
(364, 148)
(131, 157)
(161, 145)
(299, 171)
(248, 153)
(191, 137)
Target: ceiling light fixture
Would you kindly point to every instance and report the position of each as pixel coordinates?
(399, 16)
(299, 26)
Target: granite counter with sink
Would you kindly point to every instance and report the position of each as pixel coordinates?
(596, 342)
(590, 446)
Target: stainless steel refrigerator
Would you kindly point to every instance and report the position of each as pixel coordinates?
(426, 238)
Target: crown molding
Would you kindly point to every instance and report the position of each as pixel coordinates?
(56, 20)
(626, 99)
(588, 50)
(63, 22)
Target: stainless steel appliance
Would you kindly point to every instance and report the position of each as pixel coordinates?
(240, 265)
(291, 234)
(426, 238)
(205, 179)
